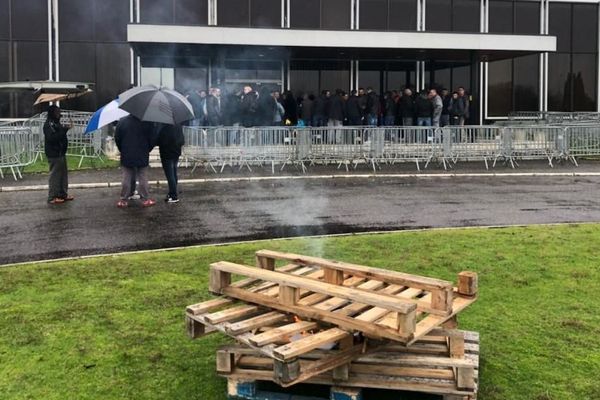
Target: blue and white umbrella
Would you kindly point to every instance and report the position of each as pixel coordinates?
(106, 115)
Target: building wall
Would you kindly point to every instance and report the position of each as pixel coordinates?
(93, 46)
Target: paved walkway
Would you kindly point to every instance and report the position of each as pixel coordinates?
(217, 212)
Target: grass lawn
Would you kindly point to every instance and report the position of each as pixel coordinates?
(109, 328)
(41, 165)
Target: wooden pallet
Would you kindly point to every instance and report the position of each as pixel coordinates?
(378, 303)
(277, 335)
(446, 362)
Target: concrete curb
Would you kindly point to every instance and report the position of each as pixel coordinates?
(199, 246)
(100, 185)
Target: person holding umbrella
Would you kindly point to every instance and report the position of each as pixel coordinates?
(135, 139)
(55, 148)
(170, 142)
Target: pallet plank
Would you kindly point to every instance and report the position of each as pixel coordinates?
(277, 334)
(309, 343)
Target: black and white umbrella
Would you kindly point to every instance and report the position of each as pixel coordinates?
(153, 104)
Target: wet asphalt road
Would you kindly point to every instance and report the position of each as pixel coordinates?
(223, 212)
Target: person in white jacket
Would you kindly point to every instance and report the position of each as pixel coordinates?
(438, 106)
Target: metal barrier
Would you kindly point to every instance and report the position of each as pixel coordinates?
(17, 150)
(412, 144)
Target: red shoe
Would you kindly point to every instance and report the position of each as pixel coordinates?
(148, 203)
(56, 200)
(68, 198)
(122, 204)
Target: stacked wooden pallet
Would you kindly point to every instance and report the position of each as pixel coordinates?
(328, 322)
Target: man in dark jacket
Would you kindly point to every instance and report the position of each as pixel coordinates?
(423, 109)
(321, 108)
(249, 106)
(353, 110)
(170, 142)
(307, 109)
(135, 140)
(390, 110)
(336, 109)
(213, 108)
(445, 121)
(55, 147)
(373, 107)
(406, 108)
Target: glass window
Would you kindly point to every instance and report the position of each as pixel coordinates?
(461, 76)
(527, 18)
(585, 28)
(526, 83)
(113, 73)
(111, 19)
(584, 82)
(164, 77)
(403, 15)
(335, 79)
(190, 79)
(191, 12)
(233, 13)
(500, 88)
(77, 61)
(156, 11)
(437, 15)
(500, 16)
(465, 15)
(559, 82)
(4, 49)
(4, 27)
(370, 79)
(76, 21)
(305, 14)
(265, 13)
(395, 80)
(304, 81)
(335, 14)
(443, 78)
(373, 15)
(32, 61)
(30, 19)
(560, 25)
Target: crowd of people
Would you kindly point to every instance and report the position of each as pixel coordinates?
(432, 107)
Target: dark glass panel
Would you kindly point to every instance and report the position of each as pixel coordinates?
(191, 12)
(111, 19)
(233, 13)
(335, 14)
(113, 71)
(373, 14)
(30, 19)
(190, 79)
(396, 80)
(156, 11)
(4, 51)
(32, 61)
(403, 15)
(4, 28)
(443, 78)
(584, 82)
(526, 83)
(438, 15)
(77, 61)
(76, 21)
(304, 81)
(585, 28)
(560, 25)
(265, 13)
(500, 88)
(559, 82)
(335, 79)
(305, 14)
(461, 76)
(527, 18)
(465, 15)
(501, 16)
(370, 79)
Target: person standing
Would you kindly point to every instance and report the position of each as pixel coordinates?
(336, 110)
(213, 108)
(454, 109)
(320, 109)
(390, 109)
(55, 148)
(308, 104)
(438, 107)
(248, 106)
(198, 101)
(423, 109)
(279, 111)
(406, 108)
(353, 110)
(291, 109)
(362, 102)
(464, 105)
(135, 140)
(170, 142)
(445, 120)
(373, 107)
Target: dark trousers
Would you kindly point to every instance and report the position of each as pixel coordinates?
(170, 167)
(58, 182)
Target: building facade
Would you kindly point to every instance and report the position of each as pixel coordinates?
(511, 55)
